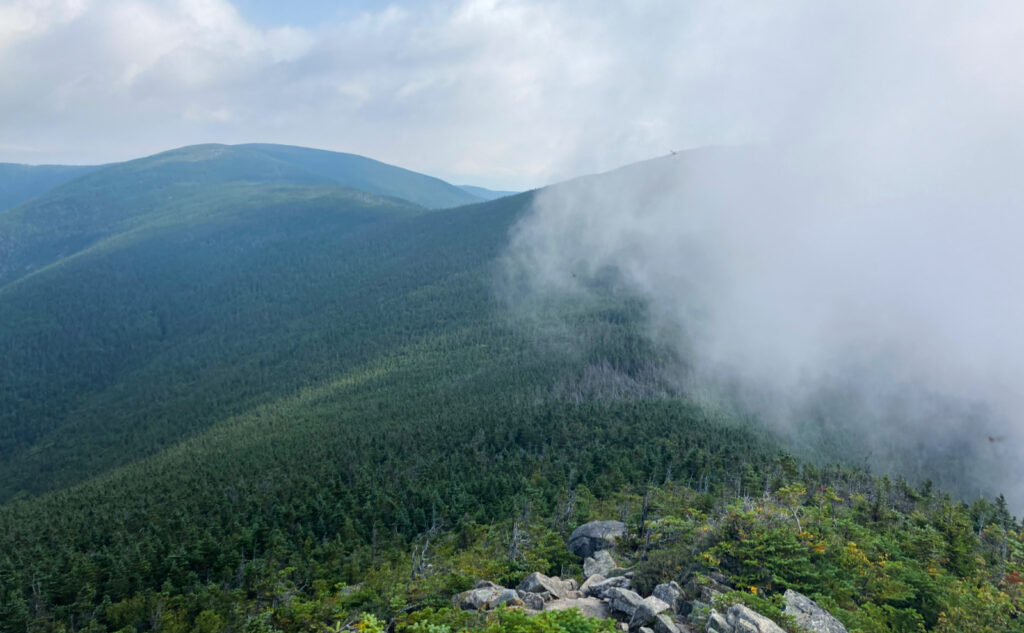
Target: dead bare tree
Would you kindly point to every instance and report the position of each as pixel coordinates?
(421, 553)
(519, 540)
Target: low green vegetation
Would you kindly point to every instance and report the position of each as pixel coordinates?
(299, 555)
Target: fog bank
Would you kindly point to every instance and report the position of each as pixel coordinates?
(855, 276)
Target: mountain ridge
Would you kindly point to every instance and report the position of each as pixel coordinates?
(20, 183)
(235, 395)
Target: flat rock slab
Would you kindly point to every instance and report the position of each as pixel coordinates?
(601, 588)
(590, 607)
(809, 615)
(740, 619)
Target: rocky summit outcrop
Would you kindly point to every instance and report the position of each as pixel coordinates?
(670, 607)
(809, 616)
(595, 536)
(740, 619)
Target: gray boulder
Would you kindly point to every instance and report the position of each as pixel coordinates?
(539, 583)
(664, 623)
(809, 616)
(646, 611)
(704, 588)
(740, 619)
(532, 600)
(717, 623)
(486, 596)
(672, 594)
(600, 589)
(590, 582)
(623, 600)
(698, 610)
(595, 536)
(600, 563)
(590, 607)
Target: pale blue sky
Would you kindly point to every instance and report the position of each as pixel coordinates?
(303, 13)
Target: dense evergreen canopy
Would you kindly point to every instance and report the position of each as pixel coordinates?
(235, 394)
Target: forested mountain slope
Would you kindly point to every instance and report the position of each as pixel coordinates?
(19, 183)
(237, 396)
(151, 283)
(366, 174)
(484, 193)
(122, 197)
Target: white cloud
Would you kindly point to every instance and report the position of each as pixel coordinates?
(870, 250)
(509, 93)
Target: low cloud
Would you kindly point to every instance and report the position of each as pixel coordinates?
(854, 278)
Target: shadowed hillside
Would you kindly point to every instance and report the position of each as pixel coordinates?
(19, 183)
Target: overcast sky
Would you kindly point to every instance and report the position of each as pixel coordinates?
(508, 94)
